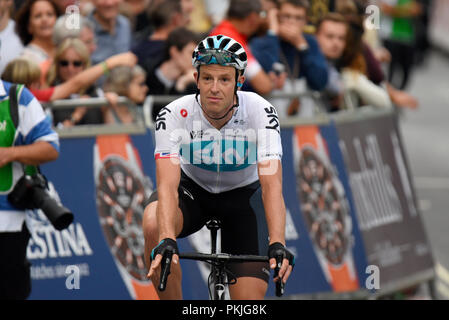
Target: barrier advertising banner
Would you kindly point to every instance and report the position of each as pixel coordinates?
(384, 198)
(330, 249)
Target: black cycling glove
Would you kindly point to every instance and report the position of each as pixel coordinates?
(279, 252)
(165, 245)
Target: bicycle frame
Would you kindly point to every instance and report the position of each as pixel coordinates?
(218, 274)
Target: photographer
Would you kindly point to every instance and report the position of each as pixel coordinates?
(26, 138)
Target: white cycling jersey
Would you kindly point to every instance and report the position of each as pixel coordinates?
(225, 159)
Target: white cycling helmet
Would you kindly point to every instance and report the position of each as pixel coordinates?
(220, 50)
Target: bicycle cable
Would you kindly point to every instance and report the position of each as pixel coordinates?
(230, 276)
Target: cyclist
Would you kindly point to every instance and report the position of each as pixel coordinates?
(218, 154)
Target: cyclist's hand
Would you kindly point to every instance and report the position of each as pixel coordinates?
(278, 251)
(158, 252)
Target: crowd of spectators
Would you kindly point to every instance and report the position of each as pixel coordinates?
(61, 50)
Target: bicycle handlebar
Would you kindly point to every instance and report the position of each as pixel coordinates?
(223, 257)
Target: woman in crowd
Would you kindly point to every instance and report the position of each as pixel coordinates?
(354, 70)
(127, 82)
(71, 58)
(34, 23)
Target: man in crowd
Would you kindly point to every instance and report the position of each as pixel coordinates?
(244, 18)
(299, 53)
(112, 30)
(331, 35)
(166, 16)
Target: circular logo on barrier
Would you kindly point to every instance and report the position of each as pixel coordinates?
(120, 201)
(184, 113)
(324, 209)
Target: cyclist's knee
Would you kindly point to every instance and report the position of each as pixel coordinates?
(248, 288)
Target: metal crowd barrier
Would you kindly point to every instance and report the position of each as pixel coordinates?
(145, 119)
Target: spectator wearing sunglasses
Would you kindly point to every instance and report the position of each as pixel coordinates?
(71, 58)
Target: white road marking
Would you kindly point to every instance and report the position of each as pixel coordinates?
(442, 289)
(442, 273)
(442, 281)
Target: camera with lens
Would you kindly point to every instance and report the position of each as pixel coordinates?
(30, 192)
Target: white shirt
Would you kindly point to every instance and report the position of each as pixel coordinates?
(370, 93)
(11, 46)
(225, 159)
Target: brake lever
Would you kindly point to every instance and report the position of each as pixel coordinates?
(279, 284)
(165, 269)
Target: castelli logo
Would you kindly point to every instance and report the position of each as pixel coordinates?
(184, 113)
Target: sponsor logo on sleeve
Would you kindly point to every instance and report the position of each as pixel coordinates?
(160, 119)
(273, 119)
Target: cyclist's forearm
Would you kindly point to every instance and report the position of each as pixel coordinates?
(273, 202)
(275, 215)
(270, 177)
(166, 213)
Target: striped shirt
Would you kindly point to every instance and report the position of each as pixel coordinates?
(33, 126)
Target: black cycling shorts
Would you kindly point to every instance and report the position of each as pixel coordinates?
(243, 225)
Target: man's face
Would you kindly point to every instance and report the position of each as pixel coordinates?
(107, 9)
(294, 17)
(216, 84)
(332, 39)
(88, 37)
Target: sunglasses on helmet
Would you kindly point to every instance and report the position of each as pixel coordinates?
(213, 56)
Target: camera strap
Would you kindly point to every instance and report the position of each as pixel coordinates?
(14, 105)
(14, 112)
